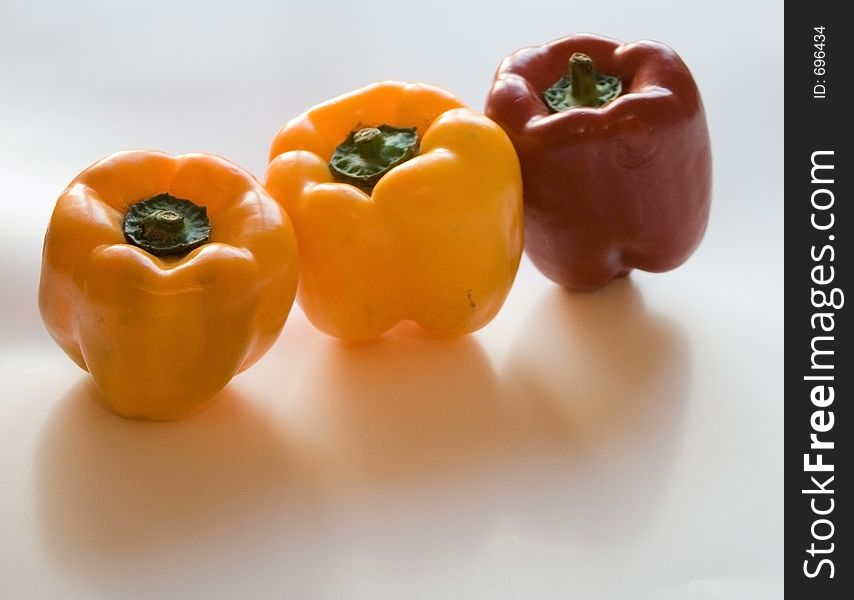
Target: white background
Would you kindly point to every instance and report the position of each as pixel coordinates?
(620, 444)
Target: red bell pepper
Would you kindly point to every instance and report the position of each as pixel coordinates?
(617, 174)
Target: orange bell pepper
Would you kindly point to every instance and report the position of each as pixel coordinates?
(406, 205)
(164, 277)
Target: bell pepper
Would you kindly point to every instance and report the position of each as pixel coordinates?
(164, 277)
(407, 206)
(615, 156)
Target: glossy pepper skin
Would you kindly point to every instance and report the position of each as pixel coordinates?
(609, 189)
(438, 239)
(162, 335)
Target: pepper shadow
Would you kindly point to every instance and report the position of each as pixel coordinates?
(402, 410)
(114, 491)
(402, 433)
(601, 383)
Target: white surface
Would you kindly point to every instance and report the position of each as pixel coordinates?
(623, 444)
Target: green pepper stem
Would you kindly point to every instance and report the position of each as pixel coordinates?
(583, 80)
(168, 219)
(369, 141)
(162, 225)
(370, 152)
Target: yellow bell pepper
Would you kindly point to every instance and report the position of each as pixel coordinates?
(390, 231)
(164, 277)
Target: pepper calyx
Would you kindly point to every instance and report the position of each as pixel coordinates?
(368, 153)
(164, 225)
(582, 86)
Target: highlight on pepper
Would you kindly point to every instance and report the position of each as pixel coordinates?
(615, 155)
(407, 205)
(165, 276)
